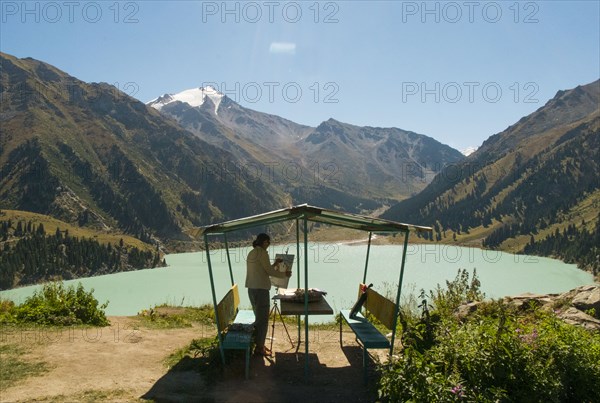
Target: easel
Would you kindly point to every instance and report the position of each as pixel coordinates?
(274, 311)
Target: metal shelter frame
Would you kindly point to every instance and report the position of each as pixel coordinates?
(303, 214)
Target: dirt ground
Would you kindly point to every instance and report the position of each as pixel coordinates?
(126, 362)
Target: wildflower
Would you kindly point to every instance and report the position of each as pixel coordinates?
(530, 338)
(457, 390)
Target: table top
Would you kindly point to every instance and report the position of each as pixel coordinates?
(320, 307)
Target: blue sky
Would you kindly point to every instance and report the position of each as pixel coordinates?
(456, 71)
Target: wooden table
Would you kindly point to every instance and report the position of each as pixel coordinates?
(320, 307)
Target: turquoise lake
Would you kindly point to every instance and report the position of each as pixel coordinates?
(335, 268)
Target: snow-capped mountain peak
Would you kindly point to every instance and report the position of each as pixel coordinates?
(194, 97)
(468, 151)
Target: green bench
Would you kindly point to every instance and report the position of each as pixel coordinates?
(234, 326)
(367, 335)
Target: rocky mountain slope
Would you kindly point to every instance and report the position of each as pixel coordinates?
(89, 153)
(334, 164)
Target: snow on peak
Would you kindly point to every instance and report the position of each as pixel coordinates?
(468, 151)
(193, 97)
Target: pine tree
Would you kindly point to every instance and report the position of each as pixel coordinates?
(19, 230)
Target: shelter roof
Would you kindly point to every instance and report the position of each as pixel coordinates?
(314, 214)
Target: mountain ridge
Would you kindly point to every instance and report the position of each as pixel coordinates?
(356, 161)
(521, 182)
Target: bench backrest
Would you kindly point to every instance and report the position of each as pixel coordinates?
(380, 307)
(228, 308)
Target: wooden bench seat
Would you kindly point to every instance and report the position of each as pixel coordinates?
(234, 326)
(365, 332)
(367, 335)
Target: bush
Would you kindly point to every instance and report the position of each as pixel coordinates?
(7, 311)
(496, 354)
(457, 292)
(419, 332)
(58, 305)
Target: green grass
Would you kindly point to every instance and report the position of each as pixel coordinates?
(333, 326)
(15, 367)
(174, 317)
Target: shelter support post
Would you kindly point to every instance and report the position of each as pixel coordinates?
(367, 260)
(298, 270)
(228, 259)
(306, 297)
(214, 297)
(399, 292)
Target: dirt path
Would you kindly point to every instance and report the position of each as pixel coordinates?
(126, 363)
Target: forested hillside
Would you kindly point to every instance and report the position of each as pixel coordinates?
(29, 255)
(537, 179)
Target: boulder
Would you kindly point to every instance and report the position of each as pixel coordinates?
(530, 300)
(577, 302)
(574, 316)
(588, 298)
(466, 309)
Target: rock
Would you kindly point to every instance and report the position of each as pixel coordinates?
(588, 298)
(574, 316)
(530, 300)
(572, 293)
(578, 301)
(466, 309)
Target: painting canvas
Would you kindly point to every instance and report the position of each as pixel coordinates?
(285, 265)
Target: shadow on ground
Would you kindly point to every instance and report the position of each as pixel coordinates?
(334, 375)
(183, 382)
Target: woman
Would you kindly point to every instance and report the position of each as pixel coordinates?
(258, 270)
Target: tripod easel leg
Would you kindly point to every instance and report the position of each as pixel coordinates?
(274, 311)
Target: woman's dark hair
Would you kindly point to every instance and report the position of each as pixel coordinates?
(260, 238)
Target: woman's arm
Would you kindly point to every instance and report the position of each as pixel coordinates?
(266, 265)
